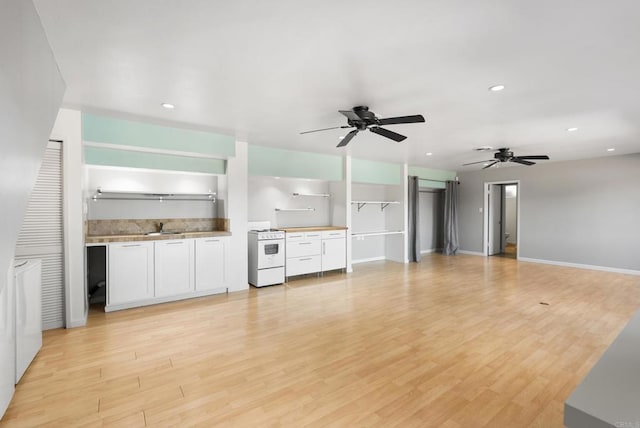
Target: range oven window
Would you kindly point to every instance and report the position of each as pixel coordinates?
(271, 249)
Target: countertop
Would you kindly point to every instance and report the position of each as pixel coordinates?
(608, 395)
(103, 239)
(311, 228)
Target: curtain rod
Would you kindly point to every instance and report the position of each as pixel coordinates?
(439, 181)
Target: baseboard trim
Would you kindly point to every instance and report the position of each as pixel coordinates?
(581, 266)
(371, 259)
(471, 253)
(431, 250)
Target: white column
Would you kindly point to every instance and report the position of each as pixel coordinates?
(237, 194)
(348, 198)
(68, 129)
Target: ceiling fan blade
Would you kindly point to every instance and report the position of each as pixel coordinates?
(534, 157)
(491, 164)
(326, 129)
(386, 133)
(347, 138)
(401, 119)
(350, 114)
(473, 163)
(521, 161)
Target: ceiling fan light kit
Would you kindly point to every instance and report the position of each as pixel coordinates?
(362, 119)
(506, 155)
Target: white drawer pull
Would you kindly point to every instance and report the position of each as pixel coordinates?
(304, 243)
(131, 245)
(304, 260)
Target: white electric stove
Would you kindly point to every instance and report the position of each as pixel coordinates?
(266, 257)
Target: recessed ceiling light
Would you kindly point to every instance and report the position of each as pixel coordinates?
(277, 178)
(496, 88)
(485, 164)
(341, 137)
(572, 129)
(168, 105)
(611, 149)
(429, 154)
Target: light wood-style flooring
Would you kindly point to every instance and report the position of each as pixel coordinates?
(451, 342)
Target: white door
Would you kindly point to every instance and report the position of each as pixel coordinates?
(28, 289)
(495, 219)
(41, 235)
(210, 263)
(173, 267)
(7, 340)
(130, 272)
(334, 254)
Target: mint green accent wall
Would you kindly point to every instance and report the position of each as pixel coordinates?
(100, 129)
(366, 171)
(286, 163)
(113, 157)
(434, 174)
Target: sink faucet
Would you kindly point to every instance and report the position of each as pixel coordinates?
(161, 227)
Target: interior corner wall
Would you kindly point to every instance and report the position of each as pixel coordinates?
(31, 90)
(582, 212)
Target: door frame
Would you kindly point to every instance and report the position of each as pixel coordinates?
(485, 212)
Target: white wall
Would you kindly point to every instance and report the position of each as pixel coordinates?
(511, 216)
(268, 193)
(31, 91)
(143, 180)
(582, 212)
(237, 188)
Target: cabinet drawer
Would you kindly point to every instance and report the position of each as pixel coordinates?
(331, 234)
(303, 248)
(309, 236)
(295, 236)
(302, 265)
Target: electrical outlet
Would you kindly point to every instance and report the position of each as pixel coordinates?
(480, 210)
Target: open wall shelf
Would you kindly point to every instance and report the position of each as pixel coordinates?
(383, 204)
(116, 195)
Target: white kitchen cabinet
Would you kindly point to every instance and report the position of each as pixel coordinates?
(315, 251)
(334, 250)
(174, 267)
(303, 253)
(210, 272)
(130, 272)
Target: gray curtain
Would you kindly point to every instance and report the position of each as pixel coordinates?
(451, 218)
(414, 219)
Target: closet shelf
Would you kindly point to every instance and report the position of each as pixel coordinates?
(117, 195)
(383, 204)
(295, 209)
(377, 233)
(319, 195)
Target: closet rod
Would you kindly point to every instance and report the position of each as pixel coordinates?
(431, 191)
(437, 181)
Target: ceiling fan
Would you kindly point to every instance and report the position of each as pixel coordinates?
(506, 155)
(362, 119)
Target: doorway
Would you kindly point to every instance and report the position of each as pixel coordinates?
(502, 219)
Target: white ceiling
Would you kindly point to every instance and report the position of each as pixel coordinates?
(266, 70)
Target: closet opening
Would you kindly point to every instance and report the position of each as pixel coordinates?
(502, 219)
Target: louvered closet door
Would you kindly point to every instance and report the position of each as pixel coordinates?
(41, 235)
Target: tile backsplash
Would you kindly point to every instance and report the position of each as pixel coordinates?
(141, 226)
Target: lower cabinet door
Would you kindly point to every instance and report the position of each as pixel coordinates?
(210, 263)
(302, 265)
(173, 267)
(130, 272)
(334, 254)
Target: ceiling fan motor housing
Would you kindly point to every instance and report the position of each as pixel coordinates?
(503, 155)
